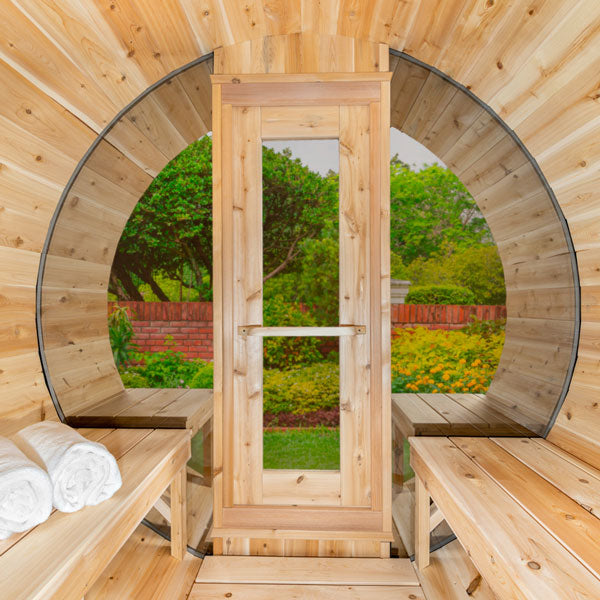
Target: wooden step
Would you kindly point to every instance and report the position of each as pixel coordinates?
(307, 571)
(218, 591)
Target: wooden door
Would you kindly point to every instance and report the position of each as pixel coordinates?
(302, 512)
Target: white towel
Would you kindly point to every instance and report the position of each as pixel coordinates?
(25, 491)
(82, 472)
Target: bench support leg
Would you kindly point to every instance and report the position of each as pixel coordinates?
(422, 528)
(178, 515)
(397, 460)
(207, 451)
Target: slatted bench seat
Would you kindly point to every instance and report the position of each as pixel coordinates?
(445, 415)
(150, 408)
(61, 558)
(525, 511)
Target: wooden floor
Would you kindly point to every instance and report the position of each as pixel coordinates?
(267, 578)
(144, 570)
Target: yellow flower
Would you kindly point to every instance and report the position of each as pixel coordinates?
(446, 376)
(462, 361)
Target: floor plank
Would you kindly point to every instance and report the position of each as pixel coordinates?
(218, 591)
(452, 576)
(145, 570)
(305, 571)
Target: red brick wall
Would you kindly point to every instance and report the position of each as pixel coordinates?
(190, 323)
(442, 316)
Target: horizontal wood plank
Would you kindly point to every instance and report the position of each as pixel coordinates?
(313, 571)
(527, 561)
(217, 591)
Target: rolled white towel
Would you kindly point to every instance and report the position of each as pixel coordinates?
(82, 472)
(25, 491)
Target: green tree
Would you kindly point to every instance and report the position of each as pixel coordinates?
(170, 230)
(477, 268)
(429, 208)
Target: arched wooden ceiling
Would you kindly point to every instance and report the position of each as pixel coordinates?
(67, 68)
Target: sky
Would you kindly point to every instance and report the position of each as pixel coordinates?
(322, 155)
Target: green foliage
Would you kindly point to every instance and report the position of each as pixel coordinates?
(315, 448)
(171, 226)
(440, 294)
(298, 204)
(397, 268)
(204, 376)
(120, 333)
(134, 379)
(431, 207)
(168, 369)
(313, 282)
(478, 268)
(302, 390)
(283, 352)
(168, 237)
(485, 329)
(439, 361)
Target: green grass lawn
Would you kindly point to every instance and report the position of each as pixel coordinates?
(311, 448)
(314, 448)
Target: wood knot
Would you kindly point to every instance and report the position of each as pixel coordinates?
(469, 476)
(534, 565)
(499, 64)
(474, 585)
(300, 479)
(236, 80)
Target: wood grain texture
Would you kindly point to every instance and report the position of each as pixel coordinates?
(354, 302)
(289, 570)
(485, 517)
(535, 65)
(89, 539)
(435, 113)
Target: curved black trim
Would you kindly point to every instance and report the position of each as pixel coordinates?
(55, 216)
(165, 536)
(437, 545)
(559, 214)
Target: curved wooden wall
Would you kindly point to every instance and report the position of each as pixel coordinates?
(68, 67)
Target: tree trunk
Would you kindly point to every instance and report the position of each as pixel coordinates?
(147, 277)
(130, 288)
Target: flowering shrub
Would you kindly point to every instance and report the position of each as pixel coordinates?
(425, 360)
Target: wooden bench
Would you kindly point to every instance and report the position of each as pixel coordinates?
(172, 408)
(61, 558)
(525, 511)
(445, 415)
